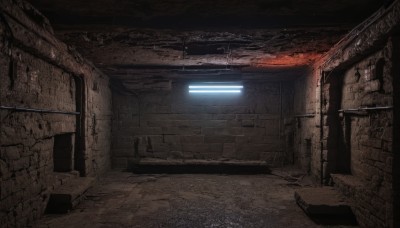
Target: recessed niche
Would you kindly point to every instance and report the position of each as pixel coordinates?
(63, 153)
(378, 74)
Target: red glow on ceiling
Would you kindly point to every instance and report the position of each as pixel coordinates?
(289, 60)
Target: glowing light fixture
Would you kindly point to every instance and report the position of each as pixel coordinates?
(215, 87)
(215, 91)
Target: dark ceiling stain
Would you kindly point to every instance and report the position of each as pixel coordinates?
(206, 13)
(128, 36)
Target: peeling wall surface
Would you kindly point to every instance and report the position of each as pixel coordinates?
(176, 124)
(396, 132)
(368, 83)
(352, 130)
(367, 136)
(306, 101)
(38, 72)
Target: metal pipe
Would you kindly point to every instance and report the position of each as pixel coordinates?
(308, 115)
(280, 110)
(79, 85)
(366, 109)
(321, 123)
(21, 109)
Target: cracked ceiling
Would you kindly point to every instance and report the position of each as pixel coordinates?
(122, 37)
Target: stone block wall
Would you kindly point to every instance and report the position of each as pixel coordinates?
(306, 134)
(27, 138)
(39, 72)
(396, 132)
(368, 135)
(176, 124)
(359, 72)
(367, 84)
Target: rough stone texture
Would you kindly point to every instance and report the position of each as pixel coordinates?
(202, 33)
(396, 132)
(176, 124)
(363, 40)
(40, 72)
(306, 103)
(363, 196)
(369, 137)
(154, 117)
(265, 33)
(322, 201)
(129, 200)
(178, 166)
(66, 197)
(149, 47)
(358, 72)
(363, 145)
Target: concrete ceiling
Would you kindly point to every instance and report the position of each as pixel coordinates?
(207, 13)
(124, 36)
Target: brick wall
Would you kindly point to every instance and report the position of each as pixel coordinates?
(27, 138)
(40, 72)
(368, 136)
(358, 144)
(175, 124)
(305, 131)
(396, 133)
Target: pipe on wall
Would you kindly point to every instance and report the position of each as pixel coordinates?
(82, 90)
(280, 110)
(22, 109)
(366, 109)
(321, 122)
(307, 115)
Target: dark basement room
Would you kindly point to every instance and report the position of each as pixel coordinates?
(199, 113)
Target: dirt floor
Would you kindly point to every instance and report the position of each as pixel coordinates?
(123, 199)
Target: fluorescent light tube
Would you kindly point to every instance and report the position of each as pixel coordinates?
(215, 87)
(215, 91)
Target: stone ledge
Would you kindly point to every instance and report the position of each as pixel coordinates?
(325, 205)
(347, 184)
(151, 161)
(69, 195)
(198, 166)
(348, 179)
(319, 201)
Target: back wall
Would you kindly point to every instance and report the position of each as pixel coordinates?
(176, 124)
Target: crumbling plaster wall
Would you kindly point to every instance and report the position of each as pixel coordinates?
(370, 169)
(368, 83)
(367, 138)
(396, 132)
(176, 124)
(306, 120)
(40, 72)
